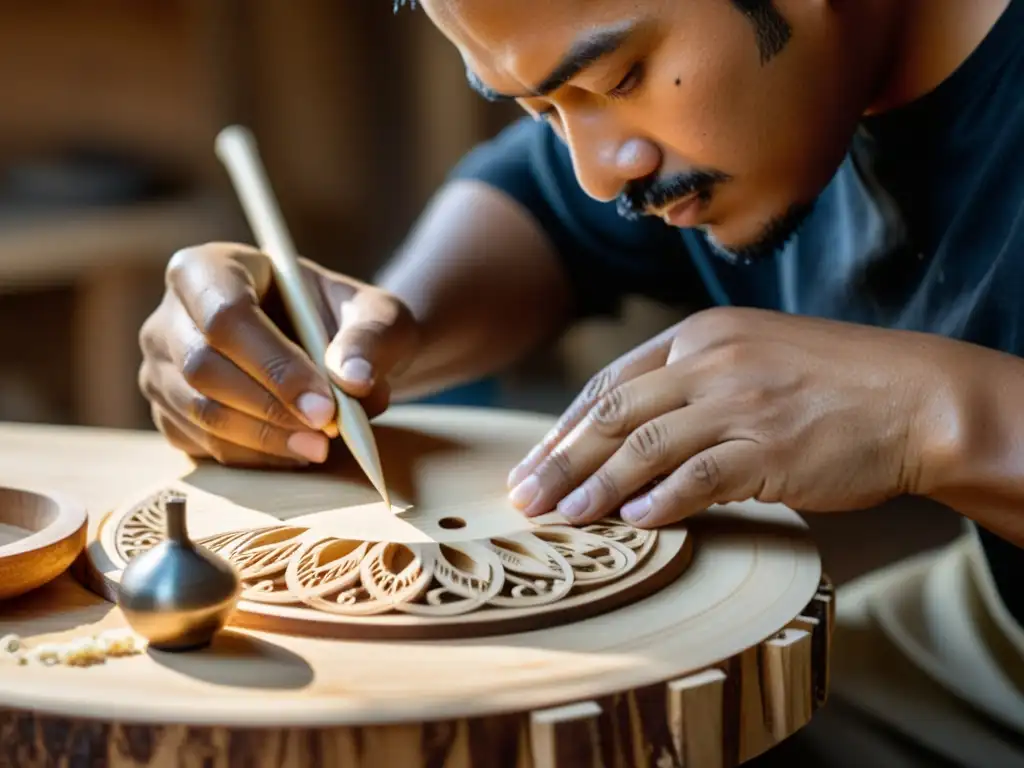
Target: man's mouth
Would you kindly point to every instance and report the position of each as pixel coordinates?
(683, 213)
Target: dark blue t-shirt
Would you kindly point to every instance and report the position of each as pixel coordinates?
(921, 228)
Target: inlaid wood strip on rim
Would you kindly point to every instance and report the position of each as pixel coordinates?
(696, 706)
(568, 736)
(818, 630)
(787, 682)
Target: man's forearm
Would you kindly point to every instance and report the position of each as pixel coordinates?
(482, 281)
(975, 462)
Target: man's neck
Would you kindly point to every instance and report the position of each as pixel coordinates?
(932, 39)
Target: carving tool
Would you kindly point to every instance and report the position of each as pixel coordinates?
(237, 150)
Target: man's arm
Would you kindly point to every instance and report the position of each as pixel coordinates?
(974, 461)
(505, 255)
(509, 252)
(482, 280)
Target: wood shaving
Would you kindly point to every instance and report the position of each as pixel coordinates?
(79, 652)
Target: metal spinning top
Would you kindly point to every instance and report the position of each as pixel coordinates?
(178, 595)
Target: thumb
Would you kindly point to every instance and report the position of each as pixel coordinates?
(375, 335)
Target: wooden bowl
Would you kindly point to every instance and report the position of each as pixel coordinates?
(52, 532)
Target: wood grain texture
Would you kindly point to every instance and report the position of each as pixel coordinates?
(787, 669)
(818, 619)
(568, 735)
(683, 723)
(697, 712)
(270, 699)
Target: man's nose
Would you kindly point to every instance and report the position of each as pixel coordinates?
(605, 162)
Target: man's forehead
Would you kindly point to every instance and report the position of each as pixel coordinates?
(492, 21)
(511, 45)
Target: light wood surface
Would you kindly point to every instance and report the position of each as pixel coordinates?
(52, 532)
(730, 628)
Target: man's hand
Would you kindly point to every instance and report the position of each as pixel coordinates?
(225, 381)
(733, 404)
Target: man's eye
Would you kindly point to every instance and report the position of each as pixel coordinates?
(629, 83)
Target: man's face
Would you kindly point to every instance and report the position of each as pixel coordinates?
(691, 110)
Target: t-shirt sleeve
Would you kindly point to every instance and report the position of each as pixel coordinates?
(606, 256)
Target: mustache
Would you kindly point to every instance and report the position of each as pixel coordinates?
(642, 195)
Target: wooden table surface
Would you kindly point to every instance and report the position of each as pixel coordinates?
(264, 683)
(98, 467)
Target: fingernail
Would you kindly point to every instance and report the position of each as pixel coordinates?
(516, 475)
(575, 504)
(637, 509)
(356, 370)
(309, 445)
(317, 409)
(525, 492)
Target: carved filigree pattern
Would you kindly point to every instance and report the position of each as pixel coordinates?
(143, 528)
(300, 566)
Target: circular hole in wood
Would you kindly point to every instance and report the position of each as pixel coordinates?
(451, 523)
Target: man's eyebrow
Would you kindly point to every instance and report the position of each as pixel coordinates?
(586, 51)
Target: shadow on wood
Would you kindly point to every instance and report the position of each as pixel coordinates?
(235, 660)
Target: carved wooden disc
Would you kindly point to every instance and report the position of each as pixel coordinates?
(320, 554)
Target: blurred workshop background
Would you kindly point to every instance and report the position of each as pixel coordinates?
(107, 121)
(107, 167)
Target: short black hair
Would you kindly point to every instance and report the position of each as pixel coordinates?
(770, 27)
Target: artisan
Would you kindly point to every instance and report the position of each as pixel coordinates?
(834, 189)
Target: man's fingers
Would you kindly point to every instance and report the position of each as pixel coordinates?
(378, 400)
(187, 437)
(200, 445)
(182, 437)
(220, 298)
(254, 263)
(653, 449)
(522, 480)
(231, 425)
(625, 415)
(730, 471)
(206, 370)
(375, 336)
(644, 359)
